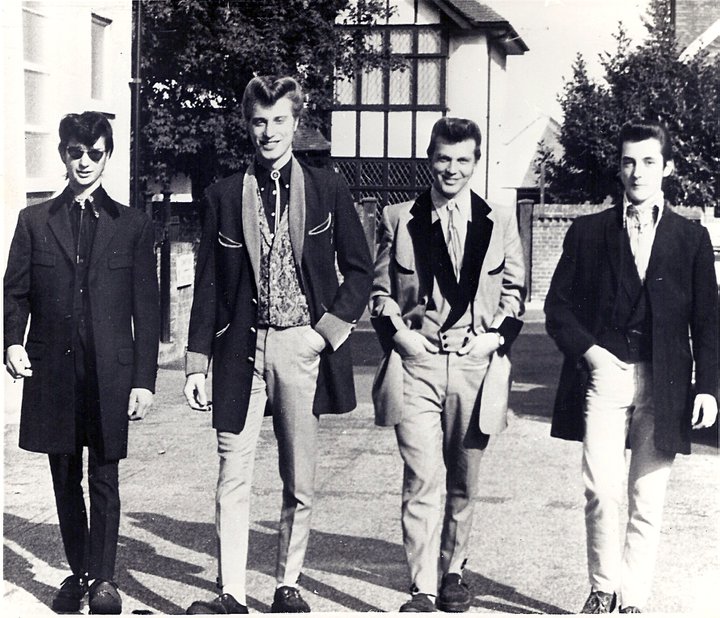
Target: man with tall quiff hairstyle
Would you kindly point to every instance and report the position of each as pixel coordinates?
(633, 306)
(269, 311)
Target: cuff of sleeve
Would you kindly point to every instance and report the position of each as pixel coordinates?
(334, 330)
(148, 386)
(196, 362)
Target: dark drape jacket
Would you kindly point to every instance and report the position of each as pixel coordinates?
(682, 295)
(123, 293)
(324, 230)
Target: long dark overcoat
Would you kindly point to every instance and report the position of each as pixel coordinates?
(325, 232)
(683, 296)
(122, 287)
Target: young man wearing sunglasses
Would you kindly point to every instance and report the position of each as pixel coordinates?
(82, 269)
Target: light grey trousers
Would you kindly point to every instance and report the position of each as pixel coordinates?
(619, 405)
(285, 375)
(441, 446)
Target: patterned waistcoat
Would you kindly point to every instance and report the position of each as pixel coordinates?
(282, 302)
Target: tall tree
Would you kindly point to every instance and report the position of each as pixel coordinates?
(198, 56)
(648, 81)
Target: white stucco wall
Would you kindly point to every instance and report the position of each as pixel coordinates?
(467, 90)
(427, 13)
(12, 159)
(498, 161)
(67, 64)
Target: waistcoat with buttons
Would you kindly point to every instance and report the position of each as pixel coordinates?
(436, 314)
(627, 332)
(282, 302)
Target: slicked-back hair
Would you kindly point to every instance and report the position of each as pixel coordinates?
(453, 131)
(266, 90)
(639, 129)
(86, 128)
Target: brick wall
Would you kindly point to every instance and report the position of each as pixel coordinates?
(550, 222)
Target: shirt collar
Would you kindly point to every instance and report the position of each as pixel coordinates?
(462, 199)
(262, 173)
(657, 201)
(95, 200)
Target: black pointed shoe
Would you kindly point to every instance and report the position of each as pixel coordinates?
(630, 609)
(72, 591)
(223, 604)
(599, 603)
(419, 602)
(287, 600)
(104, 597)
(454, 594)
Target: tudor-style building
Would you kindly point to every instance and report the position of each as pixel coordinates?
(455, 59)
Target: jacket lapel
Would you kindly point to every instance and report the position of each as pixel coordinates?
(106, 225)
(442, 265)
(59, 223)
(250, 223)
(420, 230)
(618, 248)
(296, 211)
(476, 243)
(664, 243)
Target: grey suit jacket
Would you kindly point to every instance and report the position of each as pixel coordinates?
(492, 283)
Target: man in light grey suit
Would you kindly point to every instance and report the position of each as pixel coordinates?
(447, 292)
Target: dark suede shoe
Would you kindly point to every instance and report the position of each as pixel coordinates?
(420, 602)
(287, 600)
(104, 598)
(69, 597)
(630, 609)
(599, 603)
(454, 594)
(224, 604)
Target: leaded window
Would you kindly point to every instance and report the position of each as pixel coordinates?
(382, 117)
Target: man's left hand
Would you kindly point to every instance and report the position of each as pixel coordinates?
(705, 411)
(140, 402)
(482, 345)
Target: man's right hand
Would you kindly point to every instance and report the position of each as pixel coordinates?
(17, 362)
(410, 343)
(598, 357)
(195, 393)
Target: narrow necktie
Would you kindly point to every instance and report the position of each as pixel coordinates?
(641, 240)
(455, 245)
(82, 233)
(275, 175)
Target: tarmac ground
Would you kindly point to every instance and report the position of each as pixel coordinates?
(528, 535)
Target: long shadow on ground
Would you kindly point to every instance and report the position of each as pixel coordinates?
(369, 560)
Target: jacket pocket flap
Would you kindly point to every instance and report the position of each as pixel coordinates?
(120, 260)
(43, 258)
(323, 227)
(228, 242)
(405, 259)
(498, 270)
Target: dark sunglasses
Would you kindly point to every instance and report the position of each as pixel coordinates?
(75, 152)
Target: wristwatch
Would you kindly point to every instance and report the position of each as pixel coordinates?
(501, 339)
